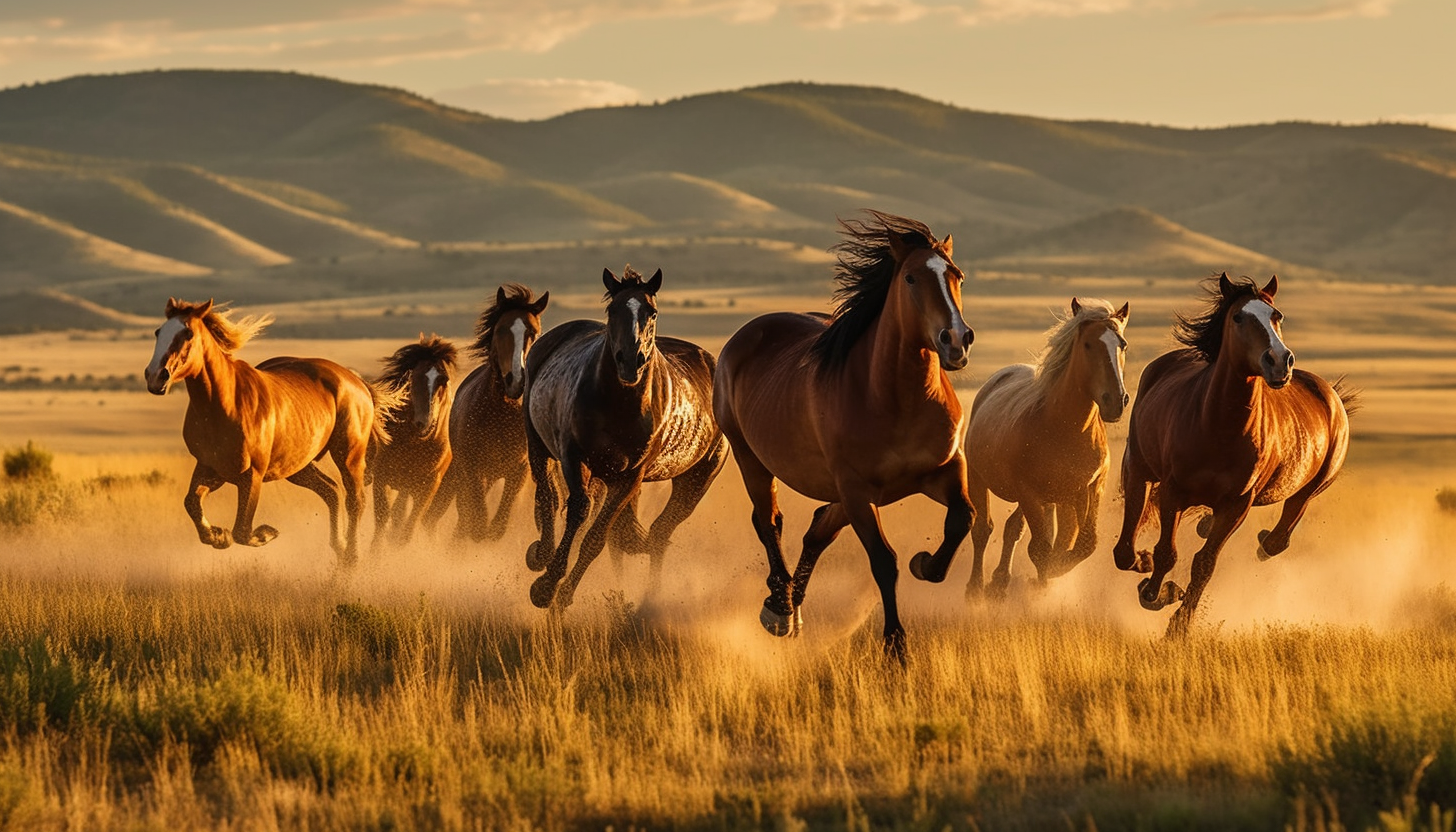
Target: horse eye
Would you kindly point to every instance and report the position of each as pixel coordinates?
(157, 332)
(1238, 317)
(910, 278)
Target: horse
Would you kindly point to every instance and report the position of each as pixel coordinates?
(1225, 423)
(487, 429)
(414, 461)
(854, 410)
(1036, 439)
(618, 404)
(248, 425)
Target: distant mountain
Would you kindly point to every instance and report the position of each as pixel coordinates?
(190, 173)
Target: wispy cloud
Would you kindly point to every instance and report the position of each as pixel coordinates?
(534, 98)
(1338, 10)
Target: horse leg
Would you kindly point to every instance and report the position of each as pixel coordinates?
(1136, 483)
(350, 461)
(619, 494)
(777, 615)
(243, 532)
(1086, 525)
(1226, 519)
(381, 515)
(424, 498)
(829, 520)
(864, 516)
(515, 480)
(204, 479)
(444, 496)
(950, 492)
(1041, 521)
(1153, 593)
(314, 479)
(548, 501)
(1276, 540)
(626, 535)
(1069, 529)
(1010, 536)
(688, 489)
(981, 527)
(578, 504)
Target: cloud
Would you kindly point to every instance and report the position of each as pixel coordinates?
(536, 98)
(1338, 10)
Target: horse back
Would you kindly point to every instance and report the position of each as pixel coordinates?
(684, 429)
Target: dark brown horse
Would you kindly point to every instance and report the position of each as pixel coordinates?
(1227, 424)
(1036, 438)
(413, 462)
(856, 410)
(249, 425)
(487, 430)
(618, 404)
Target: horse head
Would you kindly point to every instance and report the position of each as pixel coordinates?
(513, 332)
(631, 334)
(176, 355)
(1100, 343)
(1253, 334)
(432, 361)
(926, 276)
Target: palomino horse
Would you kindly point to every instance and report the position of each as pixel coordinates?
(618, 404)
(854, 410)
(487, 430)
(249, 425)
(414, 461)
(1227, 423)
(1036, 439)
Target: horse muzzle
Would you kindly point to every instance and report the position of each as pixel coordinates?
(515, 385)
(630, 368)
(1112, 405)
(1277, 369)
(157, 383)
(954, 347)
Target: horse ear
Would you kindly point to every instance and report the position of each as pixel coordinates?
(1076, 308)
(540, 305)
(899, 246)
(1121, 314)
(655, 283)
(947, 245)
(610, 281)
(1225, 286)
(1272, 286)
(206, 308)
(500, 296)
(171, 310)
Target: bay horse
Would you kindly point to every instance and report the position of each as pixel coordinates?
(248, 425)
(618, 404)
(414, 461)
(487, 428)
(1036, 439)
(1226, 423)
(854, 410)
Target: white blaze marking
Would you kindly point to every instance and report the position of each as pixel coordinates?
(432, 378)
(518, 350)
(634, 306)
(1114, 344)
(1264, 314)
(938, 265)
(165, 336)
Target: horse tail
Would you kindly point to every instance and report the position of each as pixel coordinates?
(1349, 395)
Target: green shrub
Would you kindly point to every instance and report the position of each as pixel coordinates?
(24, 504)
(40, 687)
(29, 462)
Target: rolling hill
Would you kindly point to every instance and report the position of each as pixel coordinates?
(143, 179)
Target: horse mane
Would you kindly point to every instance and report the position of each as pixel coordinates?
(1203, 332)
(516, 297)
(865, 270)
(1056, 356)
(431, 349)
(231, 335)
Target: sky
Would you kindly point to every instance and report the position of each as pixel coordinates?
(1194, 63)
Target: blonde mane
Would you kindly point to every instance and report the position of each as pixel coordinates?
(1056, 356)
(231, 335)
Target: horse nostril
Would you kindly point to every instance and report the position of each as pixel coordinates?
(1125, 399)
(945, 337)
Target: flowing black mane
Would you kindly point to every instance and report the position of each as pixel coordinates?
(516, 297)
(1203, 333)
(431, 350)
(865, 271)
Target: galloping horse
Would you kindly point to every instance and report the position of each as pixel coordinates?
(1227, 423)
(414, 461)
(618, 404)
(249, 425)
(854, 410)
(487, 429)
(1036, 439)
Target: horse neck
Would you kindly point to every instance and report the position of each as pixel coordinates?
(1066, 403)
(901, 364)
(1232, 398)
(216, 383)
(619, 394)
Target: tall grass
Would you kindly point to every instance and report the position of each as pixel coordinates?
(251, 702)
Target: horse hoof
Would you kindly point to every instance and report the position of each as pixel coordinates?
(1169, 593)
(777, 624)
(1205, 526)
(996, 590)
(535, 557)
(543, 592)
(1144, 562)
(262, 535)
(919, 566)
(219, 538)
(1263, 552)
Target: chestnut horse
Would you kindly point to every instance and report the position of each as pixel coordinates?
(618, 404)
(1036, 438)
(855, 410)
(249, 425)
(487, 429)
(1226, 423)
(415, 459)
